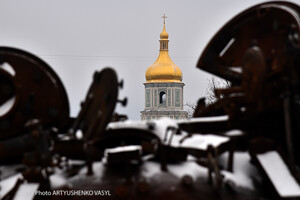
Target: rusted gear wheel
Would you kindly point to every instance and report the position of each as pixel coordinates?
(29, 89)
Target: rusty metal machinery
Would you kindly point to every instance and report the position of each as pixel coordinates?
(99, 105)
(258, 51)
(273, 28)
(96, 112)
(43, 139)
(35, 90)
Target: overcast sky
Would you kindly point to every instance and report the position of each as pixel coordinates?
(77, 37)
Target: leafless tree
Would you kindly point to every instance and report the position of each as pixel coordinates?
(211, 96)
(191, 107)
(213, 84)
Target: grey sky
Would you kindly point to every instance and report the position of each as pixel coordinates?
(77, 37)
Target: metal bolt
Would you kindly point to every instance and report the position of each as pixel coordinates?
(121, 84)
(187, 181)
(123, 102)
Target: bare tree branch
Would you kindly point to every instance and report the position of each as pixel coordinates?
(191, 107)
(213, 84)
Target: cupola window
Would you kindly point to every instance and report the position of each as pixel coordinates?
(162, 97)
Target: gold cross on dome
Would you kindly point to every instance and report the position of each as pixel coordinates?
(164, 17)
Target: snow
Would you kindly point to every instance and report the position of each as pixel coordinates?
(188, 168)
(160, 129)
(237, 69)
(196, 141)
(159, 126)
(57, 179)
(243, 170)
(123, 149)
(8, 183)
(162, 125)
(128, 124)
(150, 169)
(234, 132)
(26, 191)
(79, 134)
(279, 174)
(98, 169)
(242, 175)
(205, 119)
(201, 141)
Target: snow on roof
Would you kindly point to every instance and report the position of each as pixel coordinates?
(279, 174)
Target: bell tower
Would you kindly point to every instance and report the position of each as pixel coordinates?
(163, 86)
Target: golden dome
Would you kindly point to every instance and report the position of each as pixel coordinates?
(163, 69)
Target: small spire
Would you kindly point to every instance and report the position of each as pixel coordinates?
(164, 35)
(164, 17)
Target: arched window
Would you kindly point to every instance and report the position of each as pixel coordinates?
(162, 97)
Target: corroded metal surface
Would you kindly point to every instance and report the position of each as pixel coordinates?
(37, 90)
(258, 51)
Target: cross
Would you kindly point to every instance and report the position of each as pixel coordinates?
(164, 17)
